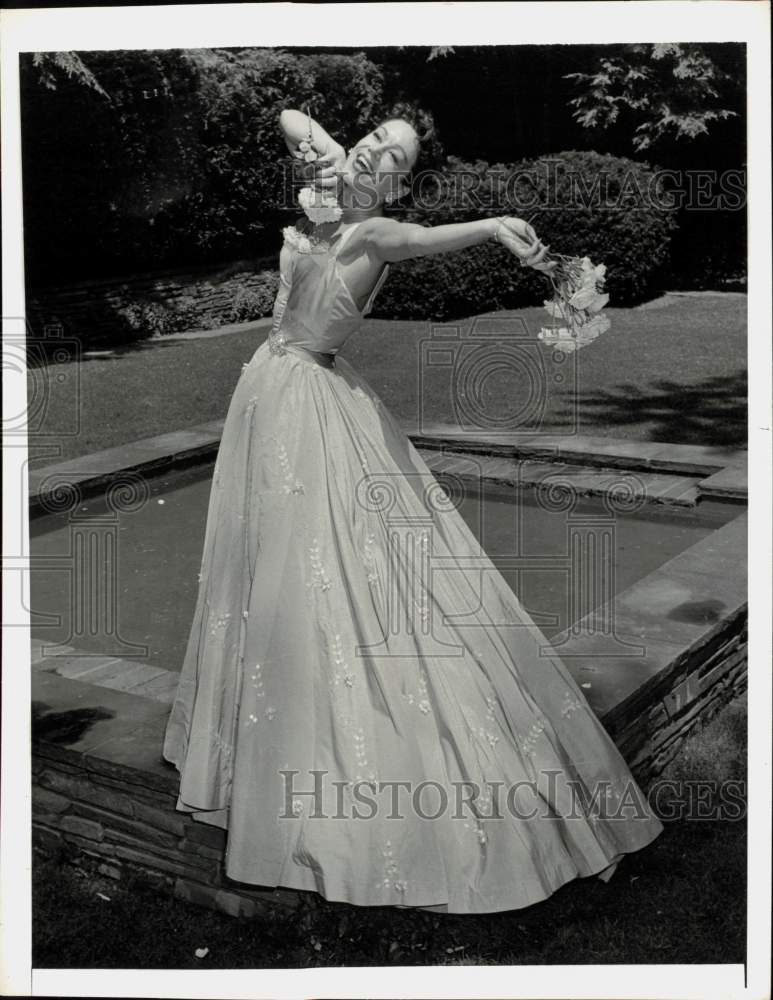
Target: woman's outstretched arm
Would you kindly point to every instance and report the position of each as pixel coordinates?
(390, 240)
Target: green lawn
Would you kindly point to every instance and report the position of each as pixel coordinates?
(681, 900)
(673, 372)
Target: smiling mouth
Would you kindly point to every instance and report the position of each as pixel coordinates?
(362, 163)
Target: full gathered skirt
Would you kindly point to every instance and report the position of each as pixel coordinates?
(349, 630)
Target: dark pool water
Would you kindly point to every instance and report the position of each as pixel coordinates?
(154, 555)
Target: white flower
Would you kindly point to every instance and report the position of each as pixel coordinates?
(583, 297)
(319, 207)
(297, 239)
(592, 271)
(600, 271)
(598, 303)
(595, 326)
(587, 332)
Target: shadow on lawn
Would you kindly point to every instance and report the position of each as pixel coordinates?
(712, 412)
(45, 354)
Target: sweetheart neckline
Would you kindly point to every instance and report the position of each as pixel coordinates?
(334, 259)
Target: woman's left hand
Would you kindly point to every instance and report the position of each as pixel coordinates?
(325, 170)
(521, 239)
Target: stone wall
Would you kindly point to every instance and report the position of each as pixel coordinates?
(650, 730)
(94, 311)
(122, 827)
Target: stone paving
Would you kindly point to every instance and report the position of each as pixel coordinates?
(582, 480)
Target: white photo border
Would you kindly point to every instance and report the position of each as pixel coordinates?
(362, 25)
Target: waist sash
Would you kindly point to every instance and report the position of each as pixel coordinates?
(278, 344)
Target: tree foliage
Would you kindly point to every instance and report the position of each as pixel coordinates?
(670, 90)
(173, 157)
(51, 66)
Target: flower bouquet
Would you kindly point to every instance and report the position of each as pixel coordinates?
(578, 298)
(319, 206)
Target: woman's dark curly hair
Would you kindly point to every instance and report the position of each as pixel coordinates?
(423, 124)
(430, 149)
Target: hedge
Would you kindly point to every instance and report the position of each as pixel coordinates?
(627, 230)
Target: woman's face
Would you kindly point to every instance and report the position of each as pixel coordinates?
(379, 163)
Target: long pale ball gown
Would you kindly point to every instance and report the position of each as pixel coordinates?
(349, 629)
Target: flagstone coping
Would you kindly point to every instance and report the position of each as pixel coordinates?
(719, 473)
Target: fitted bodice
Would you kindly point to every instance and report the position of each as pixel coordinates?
(319, 311)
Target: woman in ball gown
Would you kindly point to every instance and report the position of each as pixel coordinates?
(364, 705)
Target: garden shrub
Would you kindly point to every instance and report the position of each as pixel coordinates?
(580, 203)
(708, 251)
(452, 285)
(186, 313)
(255, 300)
(149, 318)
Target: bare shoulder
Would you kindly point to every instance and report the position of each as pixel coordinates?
(380, 226)
(369, 238)
(384, 237)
